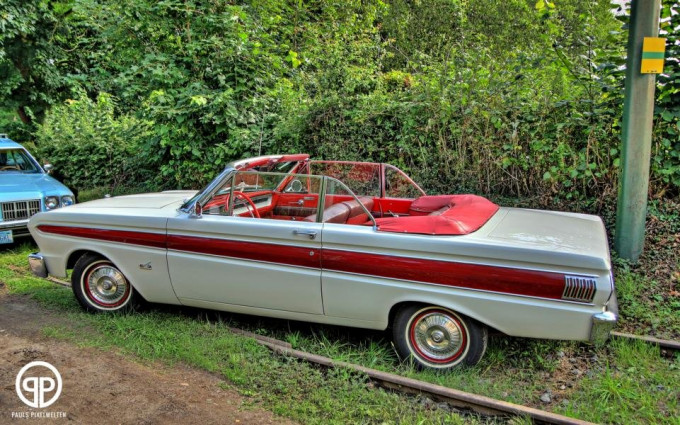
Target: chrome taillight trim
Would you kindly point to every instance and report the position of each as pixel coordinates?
(579, 288)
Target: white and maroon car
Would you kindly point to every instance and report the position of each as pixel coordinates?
(343, 243)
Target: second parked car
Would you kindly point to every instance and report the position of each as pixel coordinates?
(25, 190)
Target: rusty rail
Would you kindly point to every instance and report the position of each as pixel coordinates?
(459, 399)
(58, 281)
(662, 343)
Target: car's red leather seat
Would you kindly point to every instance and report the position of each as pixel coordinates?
(337, 213)
(349, 212)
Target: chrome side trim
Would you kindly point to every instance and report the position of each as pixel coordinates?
(37, 263)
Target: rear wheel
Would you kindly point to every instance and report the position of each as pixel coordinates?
(100, 286)
(438, 338)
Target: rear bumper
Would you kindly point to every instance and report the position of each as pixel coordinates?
(37, 263)
(603, 323)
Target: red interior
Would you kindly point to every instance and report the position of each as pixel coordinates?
(449, 215)
(430, 215)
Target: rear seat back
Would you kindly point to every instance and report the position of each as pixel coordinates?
(337, 213)
(346, 212)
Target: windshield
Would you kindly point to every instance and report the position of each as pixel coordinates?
(16, 160)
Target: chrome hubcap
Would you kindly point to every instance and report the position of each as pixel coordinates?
(438, 336)
(107, 285)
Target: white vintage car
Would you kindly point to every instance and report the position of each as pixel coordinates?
(343, 243)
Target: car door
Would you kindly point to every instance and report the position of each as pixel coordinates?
(263, 263)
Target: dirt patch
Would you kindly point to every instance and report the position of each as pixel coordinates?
(107, 387)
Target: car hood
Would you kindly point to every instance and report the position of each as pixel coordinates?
(29, 185)
(174, 198)
(145, 212)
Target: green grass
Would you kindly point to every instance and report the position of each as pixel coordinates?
(647, 307)
(622, 382)
(633, 383)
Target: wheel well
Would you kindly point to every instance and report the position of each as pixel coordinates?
(398, 306)
(395, 308)
(75, 255)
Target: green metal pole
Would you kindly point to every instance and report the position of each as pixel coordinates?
(638, 109)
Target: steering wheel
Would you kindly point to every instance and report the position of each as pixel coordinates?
(10, 167)
(253, 212)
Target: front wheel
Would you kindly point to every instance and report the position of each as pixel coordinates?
(99, 286)
(438, 338)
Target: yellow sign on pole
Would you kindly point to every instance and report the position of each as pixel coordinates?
(653, 49)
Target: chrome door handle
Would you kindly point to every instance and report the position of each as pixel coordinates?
(300, 202)
(310, 233)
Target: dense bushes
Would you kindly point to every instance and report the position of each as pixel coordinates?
(666, 152)
(91, 147)
(516, 97)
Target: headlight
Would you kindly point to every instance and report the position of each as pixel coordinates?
(67, 200)
(51, 202)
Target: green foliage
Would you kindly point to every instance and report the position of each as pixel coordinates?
(32, 62)
(90, 147)
(666, 152)
(515, 98)
(492, 113)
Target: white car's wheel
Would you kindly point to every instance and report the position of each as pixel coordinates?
(100, 286)
(438, 338)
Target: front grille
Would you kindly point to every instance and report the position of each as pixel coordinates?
(19, 210)
(577, 288)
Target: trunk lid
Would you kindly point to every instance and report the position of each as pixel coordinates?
(579, 237)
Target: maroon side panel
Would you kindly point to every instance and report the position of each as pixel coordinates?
(156, 240)
(473, 276)
(271, 253)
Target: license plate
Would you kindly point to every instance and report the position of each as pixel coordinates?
(6, 236)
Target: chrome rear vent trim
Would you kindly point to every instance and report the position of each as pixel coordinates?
(578, 288)
(19, 210)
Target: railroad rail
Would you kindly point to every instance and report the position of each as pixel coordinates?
(458, 399)
(664, 344)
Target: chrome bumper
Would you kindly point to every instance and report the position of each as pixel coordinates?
(37, 263)
(603, 323)
(19, 227)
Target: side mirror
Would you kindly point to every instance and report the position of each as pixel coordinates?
(196, 211)
(48, 168)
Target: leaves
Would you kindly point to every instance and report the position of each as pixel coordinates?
(492, 97)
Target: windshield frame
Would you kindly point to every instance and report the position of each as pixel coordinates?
(209, 190)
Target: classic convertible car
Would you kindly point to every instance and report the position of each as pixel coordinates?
(344, 243)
